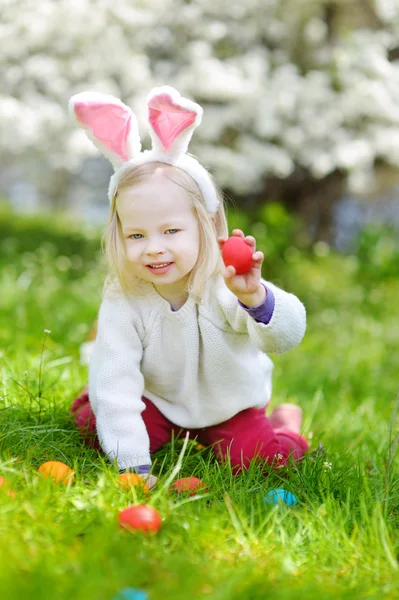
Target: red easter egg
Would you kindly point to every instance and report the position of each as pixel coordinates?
(237, 253)
(140, 517)
(189, 484)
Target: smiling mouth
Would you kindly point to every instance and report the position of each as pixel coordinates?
(159, 266)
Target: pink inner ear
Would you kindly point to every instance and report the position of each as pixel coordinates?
(168, 119)
(110, 124)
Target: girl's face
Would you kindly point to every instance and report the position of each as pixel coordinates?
(160, 232)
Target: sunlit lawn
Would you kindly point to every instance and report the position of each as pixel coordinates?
(341, 539)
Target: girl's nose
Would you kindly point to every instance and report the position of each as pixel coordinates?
(155, 247)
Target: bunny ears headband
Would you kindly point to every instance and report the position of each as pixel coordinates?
(113, 129)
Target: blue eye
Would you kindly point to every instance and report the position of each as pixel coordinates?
(139, 236)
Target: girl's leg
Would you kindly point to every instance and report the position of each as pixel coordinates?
(85, 420)
(158, 427)
(286, 416)
(249, 435)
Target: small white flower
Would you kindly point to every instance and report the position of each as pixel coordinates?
(327, 465)
(279, 456)
(47, 331)
(310, 435)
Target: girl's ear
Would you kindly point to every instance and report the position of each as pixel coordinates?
(172, 120)
(108, 123)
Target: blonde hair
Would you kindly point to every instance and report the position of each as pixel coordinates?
(209, 262)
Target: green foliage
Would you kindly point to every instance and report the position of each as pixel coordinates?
(340, 541)
(378, 253)
(70, 244)
(274, 229)
(55, 266)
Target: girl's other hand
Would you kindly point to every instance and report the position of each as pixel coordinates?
(149, 479)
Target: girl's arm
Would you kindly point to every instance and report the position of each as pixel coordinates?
(274, 319)
(116, 385)
(285, 328)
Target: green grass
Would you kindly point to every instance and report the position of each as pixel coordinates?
(340, 541)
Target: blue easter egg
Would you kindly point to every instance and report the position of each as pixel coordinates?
(280, 495)
(131, 594)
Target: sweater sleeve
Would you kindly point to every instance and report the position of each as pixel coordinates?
(116, 385)
(283, 332)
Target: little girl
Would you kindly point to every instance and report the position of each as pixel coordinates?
(182, 340)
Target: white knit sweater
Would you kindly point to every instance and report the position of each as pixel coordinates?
(200, 365)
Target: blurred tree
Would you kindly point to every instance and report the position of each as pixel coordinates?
(301, 97)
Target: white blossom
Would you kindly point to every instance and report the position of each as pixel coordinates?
(387, 9)
(278, 91)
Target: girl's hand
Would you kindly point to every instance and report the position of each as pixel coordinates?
(149, 479)
(247, 287)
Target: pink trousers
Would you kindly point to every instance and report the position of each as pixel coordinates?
(245, 437)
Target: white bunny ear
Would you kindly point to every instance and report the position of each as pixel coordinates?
(172, 120)
(108, 123)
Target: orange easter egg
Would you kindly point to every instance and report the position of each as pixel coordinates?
(58, 471)
(127, 480)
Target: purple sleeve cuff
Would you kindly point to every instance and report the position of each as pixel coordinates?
(139, 470)
(143, 469)
(264, 312)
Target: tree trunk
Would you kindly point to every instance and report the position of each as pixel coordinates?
(313, 200)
